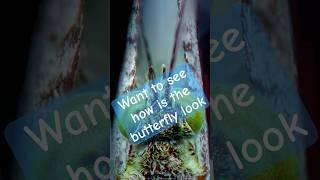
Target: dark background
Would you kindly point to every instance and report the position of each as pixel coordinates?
(305, 20)
(120, 14)
(17, 23)
(18, 19)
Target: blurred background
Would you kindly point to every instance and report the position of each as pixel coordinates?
(18, 22)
